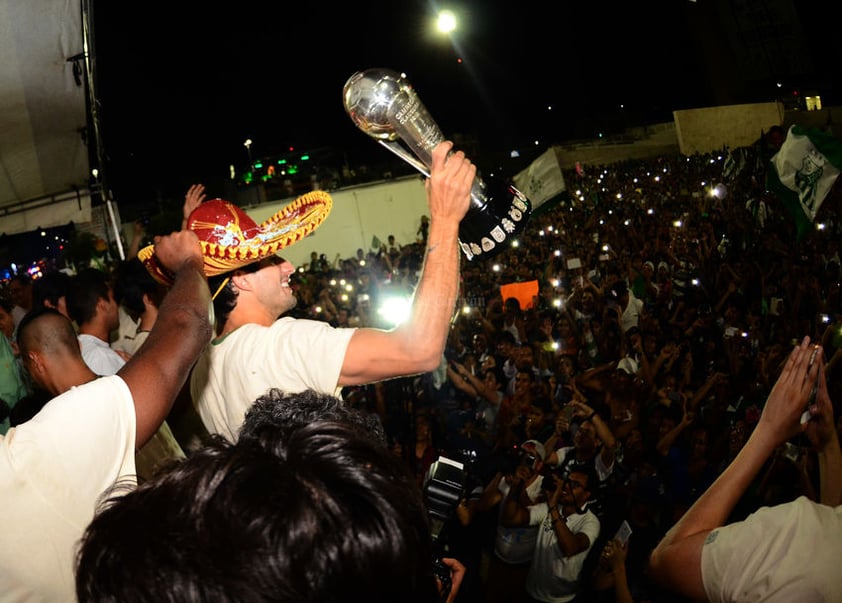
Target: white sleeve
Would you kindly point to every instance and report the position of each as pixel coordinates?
(79, 444)
(309, 352)
(537, 513)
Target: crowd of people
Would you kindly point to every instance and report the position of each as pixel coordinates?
(641, 395)
(650, 363)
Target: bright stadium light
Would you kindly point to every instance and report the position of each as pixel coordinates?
(395, 310)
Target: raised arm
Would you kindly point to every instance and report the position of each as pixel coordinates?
(192, 199)
(676, 561)
(515, 511)
(821, 430)
(603, 430)
(417, 345)
(460, 380)
(157, 372)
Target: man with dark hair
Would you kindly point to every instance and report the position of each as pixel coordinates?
(139, 295)
(568, 531)
(55, 467)
(51, 290)
(50, 351)
(258, 348)
(91, 304)
(305, 506)
(20, 292)
(283, 413)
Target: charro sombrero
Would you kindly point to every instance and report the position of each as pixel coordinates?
(230, 239)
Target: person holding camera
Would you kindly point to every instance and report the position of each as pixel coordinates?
(594, 443)
(514, 546)
(567, 530)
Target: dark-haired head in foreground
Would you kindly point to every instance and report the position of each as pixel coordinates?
(321, 512)
(277, 414)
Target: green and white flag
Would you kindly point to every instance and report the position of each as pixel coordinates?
(542, 180)
(803, 171)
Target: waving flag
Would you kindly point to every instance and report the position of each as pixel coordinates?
(734, 163)
(803, 171)
(542, 180)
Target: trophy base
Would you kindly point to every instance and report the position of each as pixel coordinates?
(489, 228)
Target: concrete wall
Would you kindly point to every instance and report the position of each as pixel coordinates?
(695, 131)
(639, 143)
(358, 214)
(711, 128)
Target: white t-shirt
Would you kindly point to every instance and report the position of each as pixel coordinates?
(99, 356)
(553, 577)
(516, 545)
(162, 447)
(124, 341)
(789, 552)
(631, 313)
(53, 470)
(292, 355)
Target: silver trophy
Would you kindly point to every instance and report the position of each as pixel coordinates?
(383, 104)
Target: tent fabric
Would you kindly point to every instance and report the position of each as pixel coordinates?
(42, 107)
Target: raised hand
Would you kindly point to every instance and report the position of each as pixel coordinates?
(781, 416)
(178, 249)
(820, 429)
(192, 199)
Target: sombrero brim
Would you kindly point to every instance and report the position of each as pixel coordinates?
(230, 239)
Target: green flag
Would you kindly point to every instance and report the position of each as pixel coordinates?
(802, 173)
(542, 180)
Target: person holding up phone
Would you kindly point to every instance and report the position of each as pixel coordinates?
(610, 571)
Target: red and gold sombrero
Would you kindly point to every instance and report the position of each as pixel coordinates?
(230, 239)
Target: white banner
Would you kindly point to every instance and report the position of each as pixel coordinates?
(542, 180)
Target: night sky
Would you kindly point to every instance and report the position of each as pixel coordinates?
(183, 84)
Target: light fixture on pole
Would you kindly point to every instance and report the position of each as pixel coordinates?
(247, 144)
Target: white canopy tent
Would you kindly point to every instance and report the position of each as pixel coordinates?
(44, 162)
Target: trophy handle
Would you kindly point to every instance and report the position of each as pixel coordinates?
(406, 156)
(384, 105)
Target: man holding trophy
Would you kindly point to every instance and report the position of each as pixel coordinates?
(257, 348)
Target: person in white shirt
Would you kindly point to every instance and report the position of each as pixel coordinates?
(55, 467)
(255, 349)
(91, 304)
(567, 531)
(786, 552)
